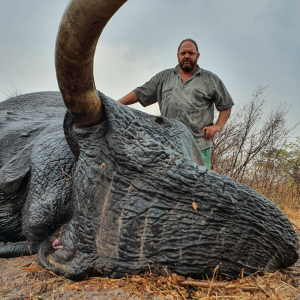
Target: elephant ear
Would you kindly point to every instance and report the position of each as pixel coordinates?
(14, 171)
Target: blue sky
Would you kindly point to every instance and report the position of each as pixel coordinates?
(246, 43)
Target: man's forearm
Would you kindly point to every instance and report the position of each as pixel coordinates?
(223, 118)
(129, 99)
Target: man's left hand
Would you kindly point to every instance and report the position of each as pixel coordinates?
(222, 119)
(210, 131)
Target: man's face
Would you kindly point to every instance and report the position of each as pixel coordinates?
(187, 56)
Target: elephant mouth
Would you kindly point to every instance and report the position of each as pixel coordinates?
(54, 256)
(59, 255)
(56, 244)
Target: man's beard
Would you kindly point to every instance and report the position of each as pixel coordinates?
(187, 68)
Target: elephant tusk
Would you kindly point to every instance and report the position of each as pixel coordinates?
(80, 28)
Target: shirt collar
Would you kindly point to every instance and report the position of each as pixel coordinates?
(197, 70)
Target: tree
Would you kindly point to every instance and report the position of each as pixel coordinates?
(286, 163)
(252, 148)
(247, 135)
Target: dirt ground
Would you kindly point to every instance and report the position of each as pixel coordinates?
(23, 279)
(18, 284)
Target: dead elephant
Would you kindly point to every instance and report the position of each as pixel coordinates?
(116, 191)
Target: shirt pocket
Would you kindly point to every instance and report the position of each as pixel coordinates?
(166, 93)
(200, 93)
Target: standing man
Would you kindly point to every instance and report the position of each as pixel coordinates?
(188, 94)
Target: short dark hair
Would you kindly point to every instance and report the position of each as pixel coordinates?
(188, 40)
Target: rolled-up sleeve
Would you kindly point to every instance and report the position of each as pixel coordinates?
(222, 98)
(147, 93)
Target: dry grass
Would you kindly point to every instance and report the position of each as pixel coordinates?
(294, 217)
(270, 286)
(287, 199)
(170, 287)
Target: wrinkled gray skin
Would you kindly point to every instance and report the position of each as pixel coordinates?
(129, 201)
(32, 143)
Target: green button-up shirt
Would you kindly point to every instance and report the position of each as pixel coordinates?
(191, 103)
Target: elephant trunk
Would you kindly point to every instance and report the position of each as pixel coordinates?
(79, 31)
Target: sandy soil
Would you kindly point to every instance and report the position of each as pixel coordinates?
(17, 284)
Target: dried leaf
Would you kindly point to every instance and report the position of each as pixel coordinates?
(194, 204)
(200, 294)
(73, 287)
(31, 269)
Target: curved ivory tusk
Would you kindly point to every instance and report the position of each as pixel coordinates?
(78, 34)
